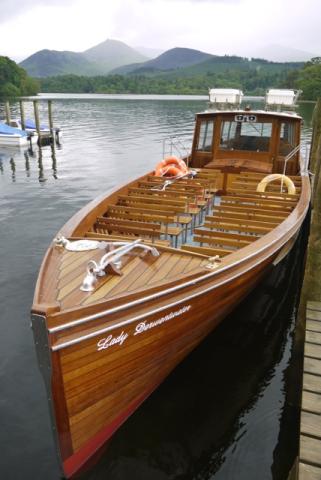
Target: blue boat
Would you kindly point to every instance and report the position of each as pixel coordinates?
(13, 136)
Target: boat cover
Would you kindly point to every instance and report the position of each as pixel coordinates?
(32, 125)
(7, 130)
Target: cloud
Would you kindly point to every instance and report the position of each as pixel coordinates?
(213, 26)
(17, 8)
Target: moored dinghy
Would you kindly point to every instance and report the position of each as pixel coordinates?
(14, 137)
(136, 279)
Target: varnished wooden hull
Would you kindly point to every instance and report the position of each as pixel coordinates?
(102, 359)
(101, 388)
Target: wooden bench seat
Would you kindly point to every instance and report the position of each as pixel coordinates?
(274, 205)
(220, 241)
(145, 197)
(126, 227)
(178, 213)
(237, 228)
(267, 195)
(260, 175)
(224, 218)
(195, 189)
(249, 213)
(180, 206)
(206, 183)
(148, 216)
(164, 220)
(252, 185)
(207, 232)
(166, 193)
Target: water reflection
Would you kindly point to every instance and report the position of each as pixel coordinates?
(13, 159)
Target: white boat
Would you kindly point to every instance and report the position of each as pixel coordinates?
(14, 136)
(30, 128)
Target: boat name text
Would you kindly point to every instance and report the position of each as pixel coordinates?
(105, 343)
(141, 327)
(245, 118)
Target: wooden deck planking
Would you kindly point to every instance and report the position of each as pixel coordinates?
(310, 437)
(311, 402)
(313, 315)
(314, 306)
(312, 350)
(309, 472)
(310, 450)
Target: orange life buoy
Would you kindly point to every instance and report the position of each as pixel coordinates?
(172, 167)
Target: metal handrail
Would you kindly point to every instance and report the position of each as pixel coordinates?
(175, 144)
(95, 270)
(286, 159)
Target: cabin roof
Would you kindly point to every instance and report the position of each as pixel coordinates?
(285, 114)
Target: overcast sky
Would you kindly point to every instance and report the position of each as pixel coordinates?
(214, 26)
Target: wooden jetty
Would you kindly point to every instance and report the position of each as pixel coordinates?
(309, 327)
(310, 438)
(47, 135)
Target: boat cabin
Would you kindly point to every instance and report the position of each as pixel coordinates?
(255, 140)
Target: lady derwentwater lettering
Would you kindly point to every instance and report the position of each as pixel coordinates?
(141, 327)
(105, 343)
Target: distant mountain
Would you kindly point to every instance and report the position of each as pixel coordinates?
(181, 63)
(111, 54)
(98, 60)
(280, 53)
(115, 57)
(173, 59)
(46, 63)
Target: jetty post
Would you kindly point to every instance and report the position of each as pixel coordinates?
(308, 332)
(51, 126)
(22, 114)
(8, 116)
(36, 112)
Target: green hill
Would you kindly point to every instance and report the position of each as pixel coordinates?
(111, 54)
(97, 60)
(46, 63)
(225, 63)
(173, 59)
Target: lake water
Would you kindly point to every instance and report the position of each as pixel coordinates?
(225, 413)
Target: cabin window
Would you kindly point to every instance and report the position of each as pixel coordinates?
(287, 138)
(205, 138)
(246, 135)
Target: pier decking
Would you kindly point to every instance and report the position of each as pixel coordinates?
(310, 437)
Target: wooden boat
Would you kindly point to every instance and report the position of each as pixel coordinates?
(137, 278)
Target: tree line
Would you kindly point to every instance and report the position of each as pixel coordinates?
(14, 80)
(251, 81)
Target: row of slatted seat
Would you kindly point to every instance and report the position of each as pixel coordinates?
(243, 215)
(147, 210)
(162, 217)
